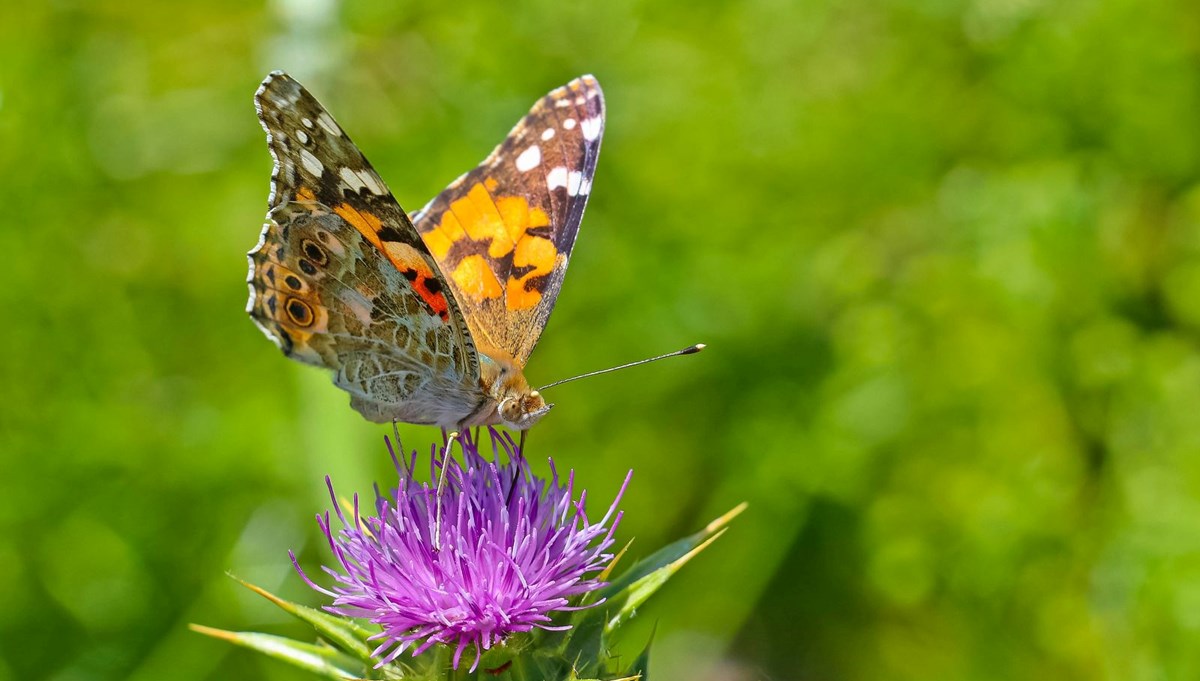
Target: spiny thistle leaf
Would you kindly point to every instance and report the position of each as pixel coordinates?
(641, 666)
(573, 677)
(345, 634)
(671, 554)
(499, 658)
(626, 601)
(587, 638)
(314, 657)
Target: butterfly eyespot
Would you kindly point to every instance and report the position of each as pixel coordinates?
(307, 267)
(293, 282)
(314, 252)
(299, 312)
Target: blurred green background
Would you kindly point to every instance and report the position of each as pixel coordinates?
(946, 256)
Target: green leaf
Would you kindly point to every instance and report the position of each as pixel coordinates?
(314, 657)
(345, 634)
(591, 627)
(655, 569)
(586, 642)
(502, 655)
(540, 664)
(640, 669)
(634, 587)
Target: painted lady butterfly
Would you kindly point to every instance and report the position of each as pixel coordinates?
(428, 319)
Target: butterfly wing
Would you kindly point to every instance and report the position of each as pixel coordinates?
(340, 278)
(503, 232)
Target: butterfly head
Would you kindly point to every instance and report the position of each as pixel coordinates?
(522, 411)
(517, 405)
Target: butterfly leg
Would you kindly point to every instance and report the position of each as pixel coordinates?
(396, 435)
(520, 453)
(437, 499)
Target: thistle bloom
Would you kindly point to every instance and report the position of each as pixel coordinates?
(511, 550)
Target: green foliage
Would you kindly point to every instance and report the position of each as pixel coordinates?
(945, 255)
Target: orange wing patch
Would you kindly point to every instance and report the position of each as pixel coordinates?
(539, 254)
(412, 265)
(442, 237)
(476, 279)
(368, 225)
(405, 258)
(480, 217)
(519, 217)
(503, 224)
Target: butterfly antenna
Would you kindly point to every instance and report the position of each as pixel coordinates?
(689, 350)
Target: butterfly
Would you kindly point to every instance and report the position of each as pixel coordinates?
(428, 318)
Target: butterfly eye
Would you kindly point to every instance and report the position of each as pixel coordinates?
(314, 252)
(299, 312)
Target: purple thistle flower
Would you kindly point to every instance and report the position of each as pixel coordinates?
(513, 549)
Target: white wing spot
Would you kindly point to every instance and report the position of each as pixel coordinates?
(562, 102)
(556, 178)
(569, 124)
(307, 123)
(529, 159)
(580, 100)
(311, 163)
(352, 179)
(302, 136)
(591, 128)
(373, 183)
(361, 179)
(326, 121)
(585, 186)
(574, 179)
(549, 133)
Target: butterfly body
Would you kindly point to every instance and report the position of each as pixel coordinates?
(428, 319)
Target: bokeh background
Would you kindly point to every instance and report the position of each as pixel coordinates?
(945, 253)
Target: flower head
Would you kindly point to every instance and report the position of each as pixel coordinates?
(511, 550)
